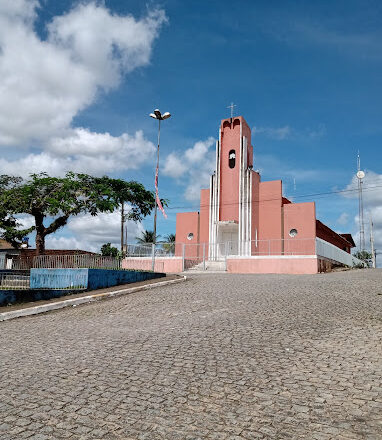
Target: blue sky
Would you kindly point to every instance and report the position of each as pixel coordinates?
(305, 75)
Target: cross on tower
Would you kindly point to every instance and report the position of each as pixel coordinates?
(232, 107)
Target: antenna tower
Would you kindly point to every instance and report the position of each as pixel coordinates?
(360, 176)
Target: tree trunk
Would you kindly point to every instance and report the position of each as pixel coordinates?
(40, 244)
(40, 233)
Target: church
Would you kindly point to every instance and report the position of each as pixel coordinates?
(249, 224)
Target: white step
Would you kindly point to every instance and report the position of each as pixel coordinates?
(216, 266)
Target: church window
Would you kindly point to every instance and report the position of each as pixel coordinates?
(232, 159)
(190, 236)
(293, 232)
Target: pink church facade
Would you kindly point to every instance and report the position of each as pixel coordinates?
(249, 223)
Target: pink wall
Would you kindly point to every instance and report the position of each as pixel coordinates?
(229, 177)
(302, 217)
(270, 215)
(255, 210)
(287, 265)
(186, 222)
(167, 265)
(204, 217)
(246, 131)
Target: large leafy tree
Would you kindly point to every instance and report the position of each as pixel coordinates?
(56, 199)
(107, 250)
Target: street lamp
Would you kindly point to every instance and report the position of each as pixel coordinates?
(157, 115)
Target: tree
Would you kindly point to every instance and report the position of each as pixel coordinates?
(364, 256)
(169, 245)
(57, 199)
(107, 250)
(147, 237)
(170, 238)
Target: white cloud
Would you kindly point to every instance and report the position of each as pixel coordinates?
(174, 166)
(26, 221)
(46, 83)
(195, 166)
(343, 218)
(91, 232)
(19, 9)
(279, 133)
(287, 132)
(372, 189)
(198, 152)
(86, 152)
(372, 201)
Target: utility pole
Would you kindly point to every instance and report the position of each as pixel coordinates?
(373, 259)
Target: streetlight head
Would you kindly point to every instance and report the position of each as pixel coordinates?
(158, 114)
(166, 115)
(153, 116)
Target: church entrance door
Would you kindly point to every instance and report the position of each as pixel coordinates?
(227, 240)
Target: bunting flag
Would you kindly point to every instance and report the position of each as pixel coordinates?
(157, 195)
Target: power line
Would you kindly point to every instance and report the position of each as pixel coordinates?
(320, 195)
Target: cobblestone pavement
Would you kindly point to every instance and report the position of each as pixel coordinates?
(218, 357)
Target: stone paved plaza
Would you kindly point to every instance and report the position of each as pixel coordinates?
(218, 357)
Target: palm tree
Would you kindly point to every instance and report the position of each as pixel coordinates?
(170, 238)
(147, 237)
(169, 245)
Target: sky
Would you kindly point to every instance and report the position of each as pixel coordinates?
(79, 79)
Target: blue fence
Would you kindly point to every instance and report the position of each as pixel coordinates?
(77, 279)
(72, 279)
(99, 278)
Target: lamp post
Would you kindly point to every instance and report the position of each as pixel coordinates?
(157, 115)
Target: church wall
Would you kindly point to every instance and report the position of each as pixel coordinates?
(255, 232)
(204, 217)
(273, 264)
(229, 177)
(302, 217)
(270, 217)
(246, 131)
(187, 223)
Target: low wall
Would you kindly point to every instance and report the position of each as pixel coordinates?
(99, 278)
(22, 296)
(77, 279)
(299, 264)
(165, 264)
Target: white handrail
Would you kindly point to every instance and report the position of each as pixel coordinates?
(327, 250)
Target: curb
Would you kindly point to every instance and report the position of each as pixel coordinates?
(5, 316)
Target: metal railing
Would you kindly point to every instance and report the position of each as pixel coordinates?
(83, 261)
(202, 254)
(19, 263)
(12, 281)
(333, 253)
(146, 250)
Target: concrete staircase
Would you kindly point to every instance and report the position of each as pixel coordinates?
(211, 266)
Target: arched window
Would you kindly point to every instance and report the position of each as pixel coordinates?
(232, 159)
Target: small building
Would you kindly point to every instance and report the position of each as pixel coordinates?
(22, 258)
(249, 224)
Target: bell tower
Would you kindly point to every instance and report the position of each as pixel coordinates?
(231, 189)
